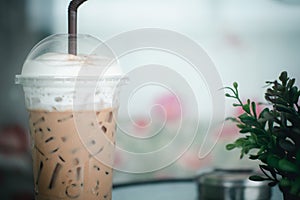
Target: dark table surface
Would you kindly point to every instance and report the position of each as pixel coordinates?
(173, 189)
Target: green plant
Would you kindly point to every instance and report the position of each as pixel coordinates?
(272, 136)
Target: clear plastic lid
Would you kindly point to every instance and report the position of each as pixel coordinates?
(53, 79)
(50, 61)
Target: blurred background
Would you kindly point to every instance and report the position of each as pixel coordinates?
(249, 42)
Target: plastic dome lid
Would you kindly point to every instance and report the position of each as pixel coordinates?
(50, 58)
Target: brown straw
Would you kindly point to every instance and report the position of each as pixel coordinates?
(72, 28)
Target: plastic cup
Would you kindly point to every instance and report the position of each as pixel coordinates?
(72, 103)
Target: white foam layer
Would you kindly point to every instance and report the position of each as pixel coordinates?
(54, 64)
(47, 84)
(69, 98)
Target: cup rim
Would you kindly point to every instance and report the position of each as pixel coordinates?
(88, 80)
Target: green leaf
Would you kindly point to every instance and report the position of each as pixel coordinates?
(279, 132)
(265, 167)
(280, 100)
(284, 182)
(293, 90)
(269, 83)
(248, 147)
(233, 119)
(235, 85)
(287, 166)
(240, 142)
(242, 155)
(241, 126)
(243, 116)
(271, 170)
(282, 108)
(265, 113)
(252, 140)
(249, 120)
(273, 161)
(236, 104)
(245, 130)
(230, 146)
(257, 178)
(270, 92)
(286, 145)
(253, 106)
(258, 131)
(229, 88)
(280, 88)
(291, 82)
(293, 94)
(263, 158)
(283, 77)
(246, 108)
(253, 157)
(295, 187)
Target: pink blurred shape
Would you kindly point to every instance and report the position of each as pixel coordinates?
(13, 140)
(190, 161)
(141, 126)
(118, 158)
(170, 107)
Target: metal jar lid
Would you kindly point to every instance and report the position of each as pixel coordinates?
(231, 185)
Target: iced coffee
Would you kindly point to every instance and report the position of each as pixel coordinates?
(72, 104)
(64, 168)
